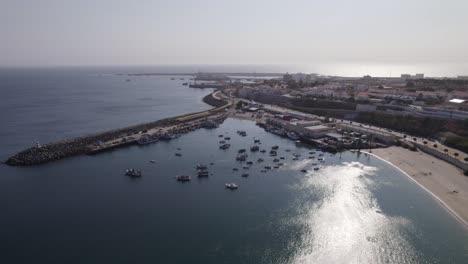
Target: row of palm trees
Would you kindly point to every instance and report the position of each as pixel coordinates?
(455, 154)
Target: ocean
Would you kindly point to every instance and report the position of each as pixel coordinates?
(354, 209)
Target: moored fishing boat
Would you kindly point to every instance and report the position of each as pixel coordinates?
(231, 186)
(254, 148)
(147, 139)
(203, 173)
(279, 132)
(202, 166)
(133, 173)
(168, 136)
(183, 178)
(225, 146)
(293, 135)
(242, 157)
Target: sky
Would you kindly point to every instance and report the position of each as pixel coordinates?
(151, 32)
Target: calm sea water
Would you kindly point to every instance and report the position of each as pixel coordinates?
(355, 209)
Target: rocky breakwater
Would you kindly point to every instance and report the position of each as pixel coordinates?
(70, 147)
(211, 100)
(81, 145)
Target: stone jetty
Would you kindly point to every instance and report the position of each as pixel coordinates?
(70, 147)
(85, 145)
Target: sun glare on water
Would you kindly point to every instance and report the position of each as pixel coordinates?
(346, 224)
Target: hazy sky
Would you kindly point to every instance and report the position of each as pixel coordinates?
(104, 32)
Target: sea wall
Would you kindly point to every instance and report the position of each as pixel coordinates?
(211, 100)
(462, 165)
(65, 148)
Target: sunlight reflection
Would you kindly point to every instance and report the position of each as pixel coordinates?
(346, 225)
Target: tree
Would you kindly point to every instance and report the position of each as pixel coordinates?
(435, 145)
(455, 154)
(466, 159)
(239, 105)
(445, 150)
(425, 142)
(415, 139)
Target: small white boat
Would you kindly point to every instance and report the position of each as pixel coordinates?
(231, 186)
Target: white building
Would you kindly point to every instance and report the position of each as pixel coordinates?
(419, 76)
(407, 76)
(435, 112)
(310, 129)
(298, 77)
(458, 104)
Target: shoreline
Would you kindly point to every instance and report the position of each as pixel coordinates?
(415, 164)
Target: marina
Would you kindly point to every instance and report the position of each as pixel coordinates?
(234, 132)
(300, 185)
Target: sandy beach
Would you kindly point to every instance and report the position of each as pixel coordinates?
(445, 181)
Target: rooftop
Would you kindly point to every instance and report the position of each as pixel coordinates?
(334, 135)
(457, 101)
(317, 128)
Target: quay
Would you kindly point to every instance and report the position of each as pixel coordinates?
(99, 142)
(181, 126)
